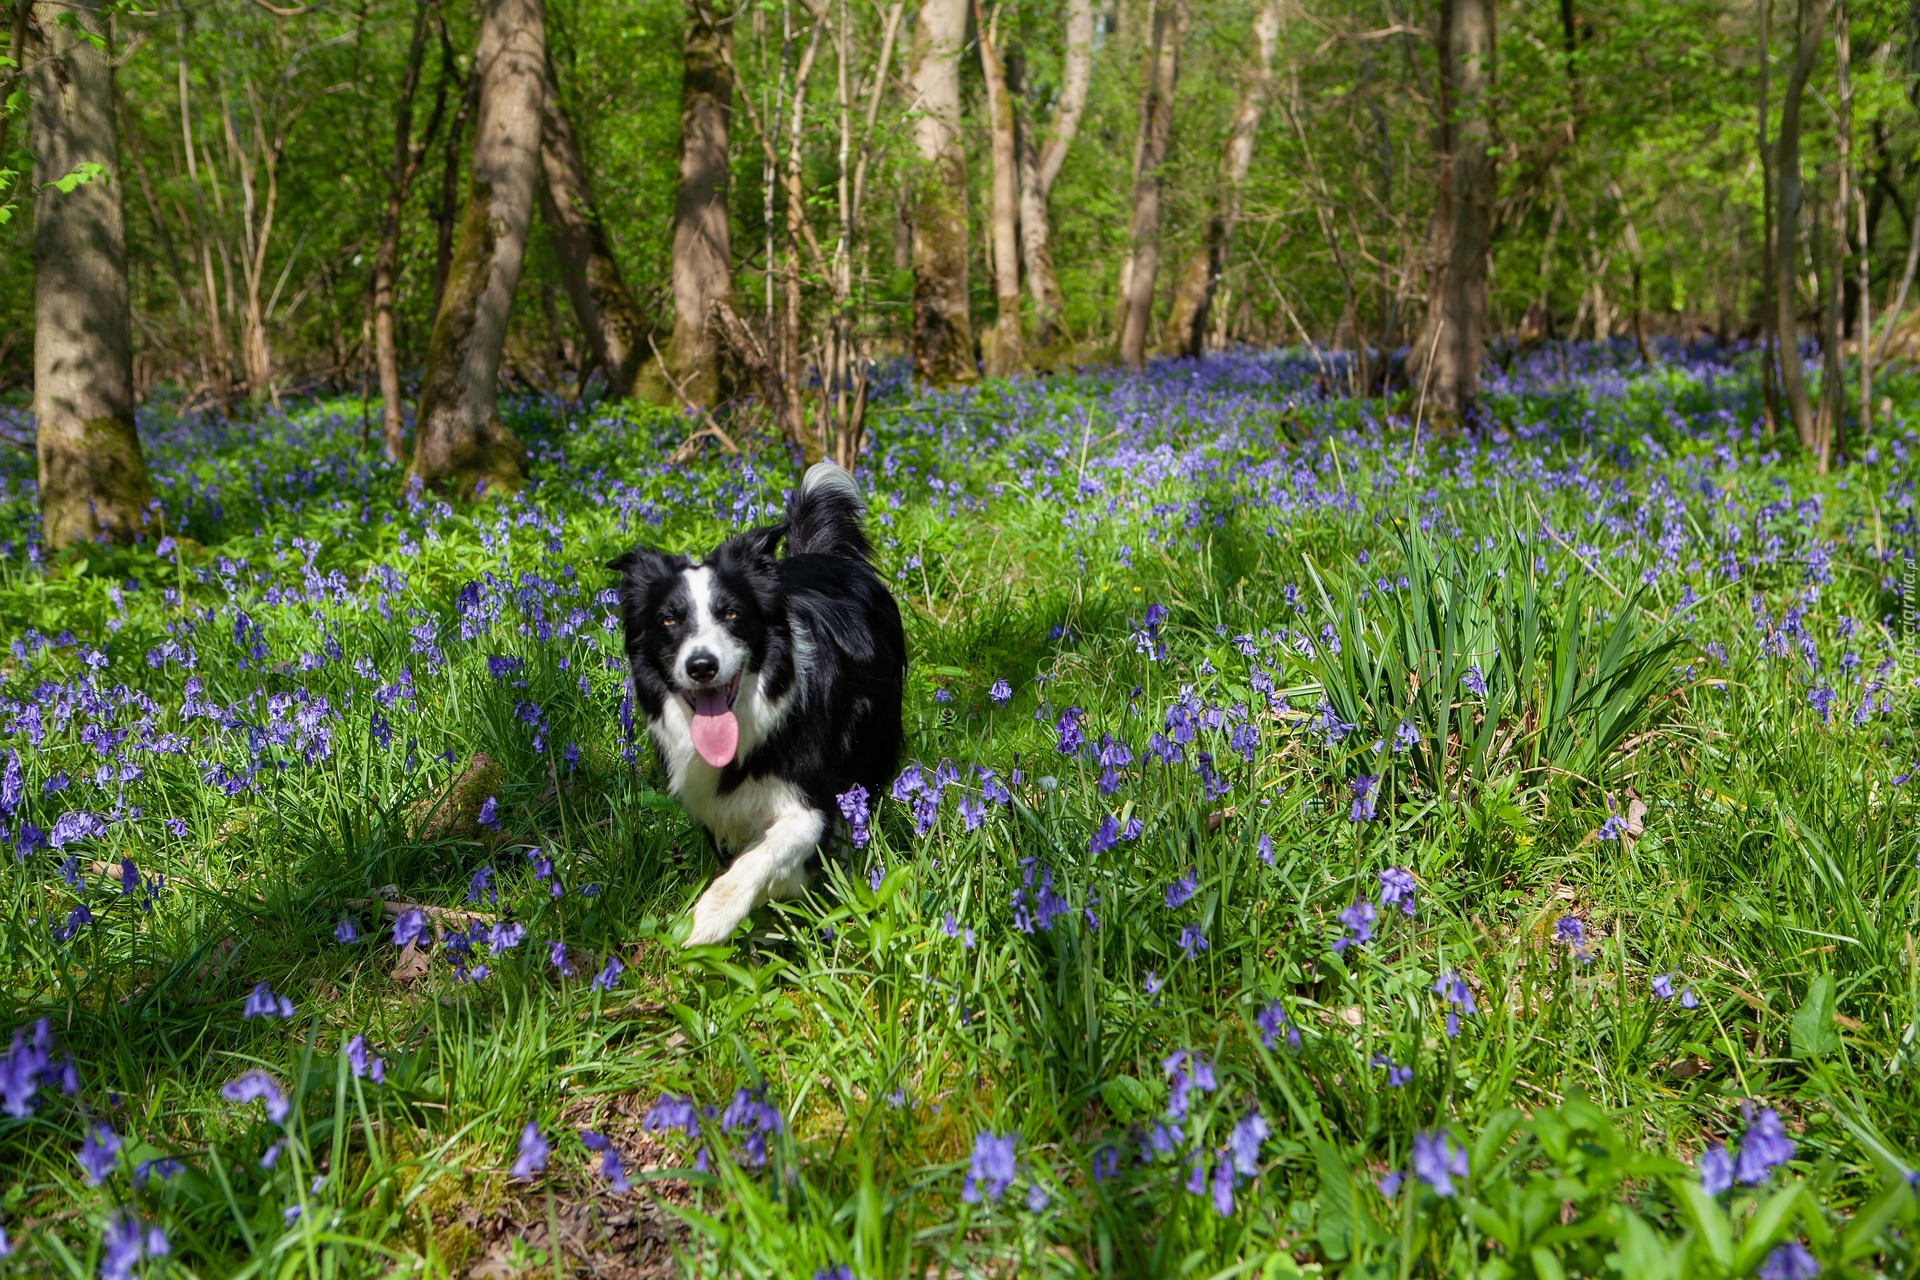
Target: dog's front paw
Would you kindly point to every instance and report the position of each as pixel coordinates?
(717, 914)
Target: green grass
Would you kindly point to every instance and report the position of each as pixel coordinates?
(1760, 851)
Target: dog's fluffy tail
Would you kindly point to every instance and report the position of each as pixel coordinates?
(825, 515)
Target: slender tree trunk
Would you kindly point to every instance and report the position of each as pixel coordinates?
(1769, 340)
(1007, 356)
(1141, 269)
(942, 330)
(407, 154)
(1186, 333)
(1038, 168)
(609, 317)
(702, 249)
(1793, 378)
(93, 479)
(1456, 325)
(459, 440)
(1833, 383)
(446, 215)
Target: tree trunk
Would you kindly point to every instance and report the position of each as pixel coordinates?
(702, 249)
(1769, 388)
(1456, 326)
(446, 213)
(1793, 378)
(1006, 356)
(1141, 269)
(942, 331)
(407, 154)
(1039, 169)
(609, 317)
(1186, 333)
(93, 479)
(459, 441)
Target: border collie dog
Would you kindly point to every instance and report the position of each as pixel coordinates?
(771, 686)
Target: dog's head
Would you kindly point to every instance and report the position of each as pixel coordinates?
(696, 632)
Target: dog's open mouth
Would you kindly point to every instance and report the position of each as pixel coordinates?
(716, 730)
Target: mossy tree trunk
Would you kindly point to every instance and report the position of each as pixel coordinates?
(1141, 269)
(942, 329)
(1786, 272)
(702, 243)
(1186, 332)
(616, 330)
(460, 444)
(1007, 356)
(93, 479)
(408, 152)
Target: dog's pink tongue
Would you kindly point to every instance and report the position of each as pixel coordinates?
(716, 732)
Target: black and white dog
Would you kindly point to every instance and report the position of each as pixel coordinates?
(771, 686)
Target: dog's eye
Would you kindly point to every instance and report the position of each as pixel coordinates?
(731, 615)
(669, 623)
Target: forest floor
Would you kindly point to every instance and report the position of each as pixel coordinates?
(1294, 805)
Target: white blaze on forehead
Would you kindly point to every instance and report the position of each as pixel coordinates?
(706, 631)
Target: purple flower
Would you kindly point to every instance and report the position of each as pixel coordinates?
(854, 808)
(1265, 848)
(125, 1242)
(1612, 829)
(363, 1063)
(609, 976)
(991, 1170)
(1662, 986)
(480, 887)
(1396, 889)
(1068, 728)
(1475, 681)
(611, 1167)
(258, 1086)
(1152, 984)
(1363, 798)
(1192, 941)
(1688, 1000)
(99, 1154)
(1437, 1161)
(1716, 1169)
(672, 1112)
(263, 1003)
(506, 936)
(1181, 890)
(1223, 1189)
(1244, 1142)
(557, 957)
(77, 825)
(1358, 919)
(1272, 1022)
(1389, 1186)
(532, 1157)
(1764, 1147)
(489, 815)
(1789, 1261)
(345, 932)
(408, 926)
(1001, 693)
(1569, 929)
(1397, 1075)
(1186, 1072)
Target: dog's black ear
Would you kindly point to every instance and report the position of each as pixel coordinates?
(643, 566)
(755, 546)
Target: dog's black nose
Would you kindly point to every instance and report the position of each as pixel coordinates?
(702, 666)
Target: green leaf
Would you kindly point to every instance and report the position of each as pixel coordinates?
(1706, 1216)
(1863, 1233)
(1335, 1202)
(1126, 1098)
(84, 172)
(1545, 1265)
(1768, 1225)
(1813, 1032)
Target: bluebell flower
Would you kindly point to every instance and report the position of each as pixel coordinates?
(489, 815)
(1389, 1185)
(261, 1002)
(99, 1154)
(345, 932)
(1223, 1189)
(1001, 693)
(753, 1116)
(1265, 849)
(1106, 1164)
(1358, 919)
(1273, 1022)
(363, 1063)
(480, 887)
(1397, 890)
(1716, 1169)
(557, 957)
(164, 1168)
(1789, 1261)
(1105, 838)
(1612, 829)
(1475, 681)
(1364, 799)
(672, 1111)
(1197, 1176)
(1070, 739)
(1764, 1147)
(991, 1169)
(125, 1242)
(611, 1167)
(609, 976)
(1186, 1072)
(532, 1155)
(271, 1156)
(1454, 989)
(1437, 1161)
(854, 808)
(505, 936)
(1192, 941)
(1244, 1142)
(1405, 737)
(258, 1086)
(1397, 1075)
(1181, 890)
(408, 926)
(1037, 1198)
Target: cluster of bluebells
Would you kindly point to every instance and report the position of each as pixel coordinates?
(1763, 1148)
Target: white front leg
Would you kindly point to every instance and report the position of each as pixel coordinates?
(772, 864)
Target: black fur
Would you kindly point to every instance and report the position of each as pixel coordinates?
(846, 729)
